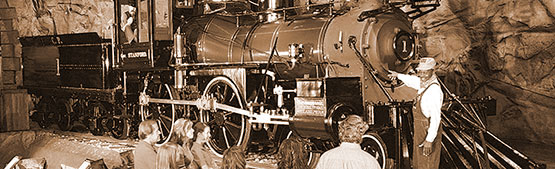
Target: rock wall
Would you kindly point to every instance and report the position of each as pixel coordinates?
(505, 49)
(49, 17)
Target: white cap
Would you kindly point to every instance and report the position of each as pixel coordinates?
(426, 64)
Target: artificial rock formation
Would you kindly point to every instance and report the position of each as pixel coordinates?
(49, 17)
(502, 48)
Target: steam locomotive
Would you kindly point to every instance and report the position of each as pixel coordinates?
(253, 71)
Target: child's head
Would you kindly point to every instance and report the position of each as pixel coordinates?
(168, 156)
(183, 131)
(148, 131)
(234, 158)
(202, 132)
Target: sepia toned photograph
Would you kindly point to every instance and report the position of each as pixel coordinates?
(277, 84)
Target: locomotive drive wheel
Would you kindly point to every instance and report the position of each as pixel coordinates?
(373, 144)
(164, 114)
(227, 128)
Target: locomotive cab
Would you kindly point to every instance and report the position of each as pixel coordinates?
(143, 33)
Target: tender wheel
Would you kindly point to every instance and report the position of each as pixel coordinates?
(66, 114)
(41, 115)
(373, 144)
(164, 114)
(227, 128)
(44, 114)
(97, 110)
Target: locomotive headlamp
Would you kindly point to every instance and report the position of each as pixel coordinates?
(403, 45)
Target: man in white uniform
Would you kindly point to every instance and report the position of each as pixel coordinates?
(426, 114)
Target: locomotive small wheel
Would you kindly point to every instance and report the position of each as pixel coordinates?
(164, 114)
(310, 158)
(96, 111)
(282, 132)
(339, 112)
(373, 144)
(119, 125)
(119, 128)
(227, 128)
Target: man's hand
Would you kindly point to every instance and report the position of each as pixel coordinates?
(392, 74)
(427, 150)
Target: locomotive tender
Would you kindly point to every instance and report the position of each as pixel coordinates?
(253, 71)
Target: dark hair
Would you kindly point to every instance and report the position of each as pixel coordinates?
(234, 158)
(198, 128)
(146, 128)
(292, 154)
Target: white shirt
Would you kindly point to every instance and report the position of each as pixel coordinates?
(430, 104)
(347, 156)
